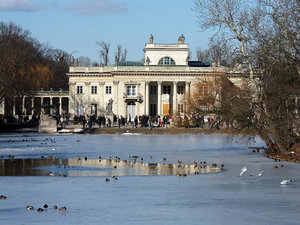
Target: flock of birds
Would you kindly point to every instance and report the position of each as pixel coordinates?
(134, 158)
(283, 182)
(62, 209)
(30, 207)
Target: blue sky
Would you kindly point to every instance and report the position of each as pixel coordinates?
(75, 25)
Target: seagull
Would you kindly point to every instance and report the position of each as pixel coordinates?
(243, 170)
(260, 173)
(284, 182)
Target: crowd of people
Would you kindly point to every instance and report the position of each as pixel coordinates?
(121, 121)
(21, 119)
(147, 121)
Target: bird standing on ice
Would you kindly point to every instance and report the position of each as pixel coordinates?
(243, 170)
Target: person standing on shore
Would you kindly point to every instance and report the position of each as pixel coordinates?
(149, 123)
(136, 121)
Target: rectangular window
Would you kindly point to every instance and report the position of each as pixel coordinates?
(131, 90)
(167, 90)
(180, 108)
(180, 90)
(94, 89)
(153, 109)
(108, 90)
(79, 89)
(152, 90)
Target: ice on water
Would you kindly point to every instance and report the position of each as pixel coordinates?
(215, 198)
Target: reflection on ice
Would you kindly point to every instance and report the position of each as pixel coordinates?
(95, 167)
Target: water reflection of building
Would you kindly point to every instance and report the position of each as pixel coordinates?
(93, 167)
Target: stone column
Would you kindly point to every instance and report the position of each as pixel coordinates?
(14, 107)
(87, 93)
(42, 109)
(187, 89)
(23, 105)
(187, 93)
(159, 98)
(116, 97)
(296, 105)
(147, 98)
(32, 106)
(174, 98)
(60, 105)
(2, 107)
(101, 91)
(51, 103)
(72, 101)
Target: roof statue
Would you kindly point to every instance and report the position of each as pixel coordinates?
(147, 61)
(151, 39)
(73, 61)
(187, 60)
(116, 60)
(181, 39)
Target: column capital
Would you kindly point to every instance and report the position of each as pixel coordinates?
(72, 83)
(87, 83)
(159, 82)
(147, 82)
(188, 82)
(175, 82)
(101, 83)
(116, 82)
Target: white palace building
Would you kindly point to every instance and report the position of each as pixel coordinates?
(157, 86)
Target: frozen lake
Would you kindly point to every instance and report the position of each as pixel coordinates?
(140, 198)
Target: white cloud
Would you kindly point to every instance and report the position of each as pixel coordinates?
(19, 5)
(94, 7)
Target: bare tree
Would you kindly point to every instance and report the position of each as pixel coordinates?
(121, 54)
(23, 65)
(264, 38)
(202, 55)
(103, 52)
(95, 64)
(217, 52)
(124, 55)
(27, 66)
(84, 61)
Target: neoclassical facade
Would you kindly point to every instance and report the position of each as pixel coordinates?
(157, 86)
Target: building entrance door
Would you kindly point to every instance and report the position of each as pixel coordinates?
(166, 109)
(131, 110)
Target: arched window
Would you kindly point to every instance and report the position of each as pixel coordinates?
(166, 61)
